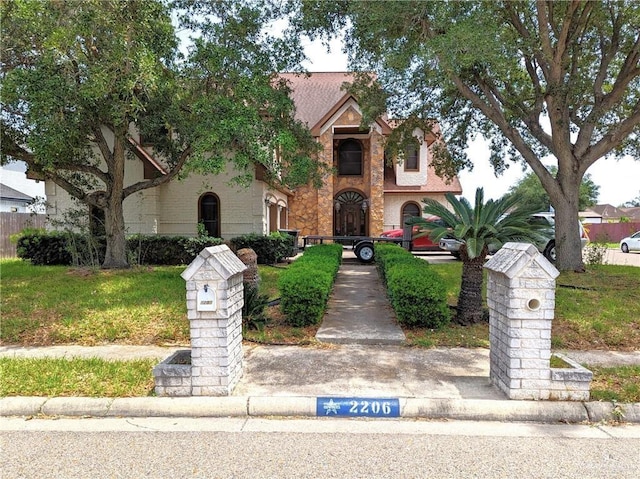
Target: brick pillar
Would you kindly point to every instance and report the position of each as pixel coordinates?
(521, 299)
(214, 309)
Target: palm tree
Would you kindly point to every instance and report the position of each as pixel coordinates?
(481, 229)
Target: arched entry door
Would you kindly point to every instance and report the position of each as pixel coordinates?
(350, 214)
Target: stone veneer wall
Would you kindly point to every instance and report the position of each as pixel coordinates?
(312, 210)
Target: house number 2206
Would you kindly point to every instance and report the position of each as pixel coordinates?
(353, 406)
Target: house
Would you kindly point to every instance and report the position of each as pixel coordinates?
(364, 195)
(609, 213)
(14, 201)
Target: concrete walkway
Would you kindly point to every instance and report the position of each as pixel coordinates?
(358, 311)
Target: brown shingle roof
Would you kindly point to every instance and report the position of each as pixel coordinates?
(435, 184)
(315, 94)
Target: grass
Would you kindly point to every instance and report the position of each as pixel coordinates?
(48, 305)
(621, 384)
(75, 377)
(43, 305)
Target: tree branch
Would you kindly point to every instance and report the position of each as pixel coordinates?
(143, 185)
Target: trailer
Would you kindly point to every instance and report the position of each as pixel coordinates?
(363, 246)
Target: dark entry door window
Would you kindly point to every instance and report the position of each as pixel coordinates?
(210, 214)
(350, 214)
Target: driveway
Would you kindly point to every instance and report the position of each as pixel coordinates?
(615, 256)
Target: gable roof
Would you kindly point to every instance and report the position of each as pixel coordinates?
(318, 96)
(608, 211)
(8, 193)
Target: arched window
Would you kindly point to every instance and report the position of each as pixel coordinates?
(350, 158)
(409, 210)
(209, 214)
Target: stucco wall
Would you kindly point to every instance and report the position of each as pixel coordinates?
(419, 177)
(172, 208)
(393, 207)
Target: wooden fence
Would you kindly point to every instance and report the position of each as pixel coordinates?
(611, 232)
(11, 223)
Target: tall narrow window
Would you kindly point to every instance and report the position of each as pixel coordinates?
(209, 214)
(411, 159)
(350, 158)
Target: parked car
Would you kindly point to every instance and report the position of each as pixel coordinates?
(548, 249)
(421, 243)
(631, 243)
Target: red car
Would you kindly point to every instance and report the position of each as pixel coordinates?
(422, 243)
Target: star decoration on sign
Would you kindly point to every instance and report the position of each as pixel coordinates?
(332, 407)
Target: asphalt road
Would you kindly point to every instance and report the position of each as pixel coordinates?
(268, 448)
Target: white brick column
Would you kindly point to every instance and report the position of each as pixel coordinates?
(521, 299)
(214, 309)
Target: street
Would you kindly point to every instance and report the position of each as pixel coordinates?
(313, 448)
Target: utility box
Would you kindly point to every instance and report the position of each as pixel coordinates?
(521, 299)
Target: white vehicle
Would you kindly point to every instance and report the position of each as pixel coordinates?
(631, 243)
(547, 249)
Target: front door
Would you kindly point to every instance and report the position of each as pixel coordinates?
(350, 214)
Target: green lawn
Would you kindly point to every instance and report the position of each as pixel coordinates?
(47, 305)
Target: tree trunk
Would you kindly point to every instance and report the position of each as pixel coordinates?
(567, 229)
(470, 297)
(116, 253)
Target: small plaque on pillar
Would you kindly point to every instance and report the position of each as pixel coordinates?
(206, 299)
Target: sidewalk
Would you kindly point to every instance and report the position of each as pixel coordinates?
(358, 361)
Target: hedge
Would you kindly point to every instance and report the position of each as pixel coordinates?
(270, 249)
(305, 286)
(65, 248)
(416, 292)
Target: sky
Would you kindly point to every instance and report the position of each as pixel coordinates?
(619, 180)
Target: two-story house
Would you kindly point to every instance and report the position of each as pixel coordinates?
(363, 196)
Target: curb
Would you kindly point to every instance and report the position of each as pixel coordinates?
(305, 406)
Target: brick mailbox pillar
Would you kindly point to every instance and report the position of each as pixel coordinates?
(214, 309)
(521, 300)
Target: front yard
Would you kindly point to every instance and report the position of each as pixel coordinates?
(59, 305)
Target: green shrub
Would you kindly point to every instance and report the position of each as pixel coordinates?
(66, 248)
(416, 292)
(167, 250)
(305, 286)
(43, 248)
(270, 249)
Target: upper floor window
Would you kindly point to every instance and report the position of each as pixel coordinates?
(350, 158)
(411, 159)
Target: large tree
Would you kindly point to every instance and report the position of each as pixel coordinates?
(529, 190)
(536, 78)
(81, 78)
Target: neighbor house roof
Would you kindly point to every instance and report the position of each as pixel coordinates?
(8, 193)
(608, 211)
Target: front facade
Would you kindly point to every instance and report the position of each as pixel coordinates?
(366, 195)
(363, 197)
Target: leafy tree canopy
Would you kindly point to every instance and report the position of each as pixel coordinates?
(534, 78)
(80, 78)
(529, 190)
